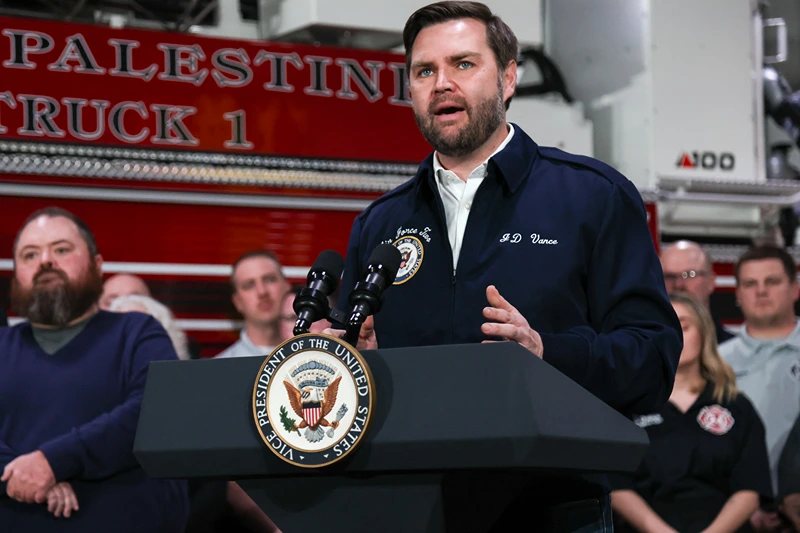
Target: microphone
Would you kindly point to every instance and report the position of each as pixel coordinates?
(367, 296)
(311, 303)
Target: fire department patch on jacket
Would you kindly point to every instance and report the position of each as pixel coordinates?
(412, 252)
(715, 419)
(312, 401)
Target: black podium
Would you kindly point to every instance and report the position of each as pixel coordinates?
(457, 432)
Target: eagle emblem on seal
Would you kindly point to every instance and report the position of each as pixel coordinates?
(312, 392)
(312, 400)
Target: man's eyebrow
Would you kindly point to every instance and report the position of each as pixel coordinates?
(462, 55)
(450, 59)
(33, 246)
(418, 64)
(54, 243)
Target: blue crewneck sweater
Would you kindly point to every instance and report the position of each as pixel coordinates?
(80, 407)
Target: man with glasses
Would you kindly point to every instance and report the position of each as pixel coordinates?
(687, 268)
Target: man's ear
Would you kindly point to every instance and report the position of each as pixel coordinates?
(509, 80)
(237, 302)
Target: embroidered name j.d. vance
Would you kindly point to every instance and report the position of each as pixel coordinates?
(536, 239)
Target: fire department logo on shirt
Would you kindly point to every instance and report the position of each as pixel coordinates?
(715, 419)
(411, 252)
(312, 401)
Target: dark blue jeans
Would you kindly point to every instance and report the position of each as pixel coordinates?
(586, 516)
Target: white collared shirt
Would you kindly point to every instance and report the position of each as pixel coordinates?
(457, 196)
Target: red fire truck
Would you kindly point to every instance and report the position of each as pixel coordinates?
(182, 151)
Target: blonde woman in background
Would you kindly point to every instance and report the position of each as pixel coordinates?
(149, 306)
(706, 469)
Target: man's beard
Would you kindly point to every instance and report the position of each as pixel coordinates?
(57, 304)
(482, 122)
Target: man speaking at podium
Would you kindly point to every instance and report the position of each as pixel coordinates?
(502, 239)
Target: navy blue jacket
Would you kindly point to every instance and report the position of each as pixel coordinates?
(565, 240)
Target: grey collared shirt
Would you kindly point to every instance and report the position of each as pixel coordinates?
(768, 372)
(244, 347)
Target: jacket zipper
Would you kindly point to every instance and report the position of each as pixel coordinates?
(453, 306)
(443, 222)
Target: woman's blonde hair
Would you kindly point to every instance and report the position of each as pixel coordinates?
(159, 311)
(713, 367)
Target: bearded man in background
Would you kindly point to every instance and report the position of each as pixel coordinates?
(71, 384)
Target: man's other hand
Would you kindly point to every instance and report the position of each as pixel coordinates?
(61, 500)
(29, 478)
(509, 323)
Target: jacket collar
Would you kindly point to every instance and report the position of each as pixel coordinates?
(512, 164)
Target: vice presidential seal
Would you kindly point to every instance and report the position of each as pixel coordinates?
(411, 252)
(312, 400)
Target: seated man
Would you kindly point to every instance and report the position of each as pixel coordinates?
(258, 286)
(766, 351)
(122, 285)
(71, 386)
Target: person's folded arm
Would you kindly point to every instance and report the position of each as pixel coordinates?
(103, 446)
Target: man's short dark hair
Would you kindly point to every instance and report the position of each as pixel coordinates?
(768, 251)
(499, 36)
(249, 255)
(52, 212)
